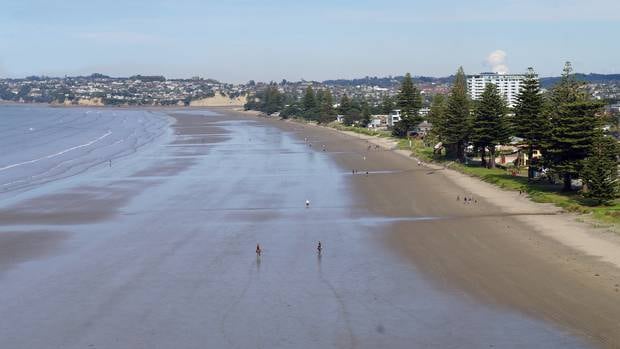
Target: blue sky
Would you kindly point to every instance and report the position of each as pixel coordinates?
(238, 40)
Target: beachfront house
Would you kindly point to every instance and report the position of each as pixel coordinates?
(378, 121)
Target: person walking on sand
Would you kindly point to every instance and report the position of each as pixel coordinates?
(258, 250)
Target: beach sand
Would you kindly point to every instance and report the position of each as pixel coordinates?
(504, 249)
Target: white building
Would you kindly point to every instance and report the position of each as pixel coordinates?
(508, 85)
(393, 118)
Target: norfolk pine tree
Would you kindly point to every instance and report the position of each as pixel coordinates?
(346, 109)
(409, 101)
(490, 127)
(437, 117)
(600, 169)
(365, 113)
(328, 114)
(387, 104)
(309, 103)
(529, 122)
(574, 122)
(574, 128)
(458, 119)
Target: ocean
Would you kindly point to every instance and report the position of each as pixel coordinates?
(39, 144)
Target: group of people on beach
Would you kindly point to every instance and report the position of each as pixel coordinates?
(467, 199)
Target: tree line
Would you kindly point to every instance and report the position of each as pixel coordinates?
(565, 124)
(318, 105)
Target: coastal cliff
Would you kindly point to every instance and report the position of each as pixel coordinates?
(85, 102)
(218, 101)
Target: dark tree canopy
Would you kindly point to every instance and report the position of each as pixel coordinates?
(409, 102)
(529, 122)
(573, 125)
(490, 126)
(458, 119)
(600, 170)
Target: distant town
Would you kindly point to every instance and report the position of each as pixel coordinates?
(139, 90)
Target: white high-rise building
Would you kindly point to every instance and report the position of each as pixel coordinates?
(508, 85)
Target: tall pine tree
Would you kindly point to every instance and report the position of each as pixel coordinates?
(458, 119)
(437, 117)
(573, 119)
(410, 102)
(309, 105)
(387, 104)
(600, 169)
(529, 122)
(365, 113)
(328, 114)
(346, 109)
(490, 127)
(573, 129)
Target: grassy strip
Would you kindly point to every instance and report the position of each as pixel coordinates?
(538, 191)
(360, 130)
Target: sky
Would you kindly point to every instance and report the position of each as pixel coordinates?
(239, 40)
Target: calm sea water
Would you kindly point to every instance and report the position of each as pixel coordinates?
(39, 144)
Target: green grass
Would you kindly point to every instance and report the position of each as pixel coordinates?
(360, 130)
(538, 191)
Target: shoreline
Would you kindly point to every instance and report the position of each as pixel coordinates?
(587, 237)
(505, 250)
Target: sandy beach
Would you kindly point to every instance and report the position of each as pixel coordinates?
(158, 251)
(503, 249)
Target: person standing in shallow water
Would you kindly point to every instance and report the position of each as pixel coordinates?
(258, 250)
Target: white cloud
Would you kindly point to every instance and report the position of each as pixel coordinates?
(496, 60)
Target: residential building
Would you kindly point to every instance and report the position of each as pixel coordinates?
(378, 121)
(508, 85)
(393, 118)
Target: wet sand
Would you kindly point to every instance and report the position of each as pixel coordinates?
(480, 248)
(158, 252)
